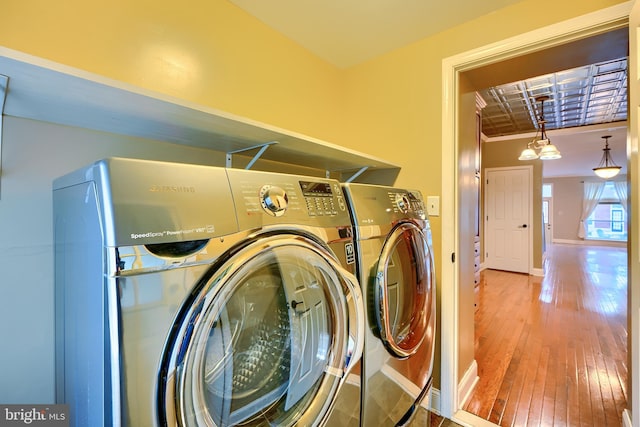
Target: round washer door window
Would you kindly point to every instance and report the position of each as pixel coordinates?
(403, 292)
(266, 340)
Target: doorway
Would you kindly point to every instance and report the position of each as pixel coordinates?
(507, 230)
(547, 239)
(536, 41)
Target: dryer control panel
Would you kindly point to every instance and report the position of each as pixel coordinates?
(407, 202)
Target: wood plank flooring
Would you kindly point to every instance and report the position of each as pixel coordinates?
(552, 350)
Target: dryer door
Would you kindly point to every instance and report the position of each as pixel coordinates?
(404, 290)
(267, 339)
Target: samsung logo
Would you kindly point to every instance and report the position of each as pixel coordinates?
(172, 189)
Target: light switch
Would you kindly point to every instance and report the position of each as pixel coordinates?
(433, 205)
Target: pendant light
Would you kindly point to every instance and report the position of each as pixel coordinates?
(606, 169)
(548, 151)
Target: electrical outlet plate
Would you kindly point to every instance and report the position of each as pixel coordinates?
(433, 205)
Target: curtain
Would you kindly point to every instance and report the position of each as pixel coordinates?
(592, 194)
(621, 191)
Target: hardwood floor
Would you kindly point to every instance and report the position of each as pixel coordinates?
(552, 350)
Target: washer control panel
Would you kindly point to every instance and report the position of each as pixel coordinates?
(322, 199)
(274, 200)
(266, 198)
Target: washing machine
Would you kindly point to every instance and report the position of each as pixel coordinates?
(395, 268)
(193, 295)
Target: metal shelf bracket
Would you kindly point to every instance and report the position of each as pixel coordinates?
(355, 175)
(4, 86)
(262, 148)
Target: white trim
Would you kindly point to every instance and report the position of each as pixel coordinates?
(401, 380)
(563, 32)
(449, 243)
(591, 242)
(468, 384)
(467, 419)
(560, 132)
(626, 418)
(539, 272)
(433, 402)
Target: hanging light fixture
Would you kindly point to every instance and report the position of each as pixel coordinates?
(606, 169)
(548, 151)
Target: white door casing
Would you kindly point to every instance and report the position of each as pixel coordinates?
(553, 35)
(508, 216)
(632, 418)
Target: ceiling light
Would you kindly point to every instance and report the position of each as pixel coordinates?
(606, 169)
(548, 151)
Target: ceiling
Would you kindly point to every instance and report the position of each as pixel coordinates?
(585, 103)
(588, 95)
(348, 32)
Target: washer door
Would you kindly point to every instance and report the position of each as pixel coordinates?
(267, 339)
(404, 290)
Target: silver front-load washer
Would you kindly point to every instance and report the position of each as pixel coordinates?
(396, 271)
(171, 309)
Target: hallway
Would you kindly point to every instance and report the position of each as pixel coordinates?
(552, 350)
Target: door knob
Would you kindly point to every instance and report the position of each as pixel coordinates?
(522, 226)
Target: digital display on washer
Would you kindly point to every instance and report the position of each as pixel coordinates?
(317, 189)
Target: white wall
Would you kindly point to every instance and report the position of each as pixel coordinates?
(33, 154)
(567, 208)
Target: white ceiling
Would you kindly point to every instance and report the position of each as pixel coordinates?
(581, 149)
(348, 32)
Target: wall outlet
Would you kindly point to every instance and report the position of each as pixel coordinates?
(433, 205)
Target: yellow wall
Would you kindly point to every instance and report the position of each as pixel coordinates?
(394, 103)
(212, 53)
(206, 51)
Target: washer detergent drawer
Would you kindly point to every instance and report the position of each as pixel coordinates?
(266, 340)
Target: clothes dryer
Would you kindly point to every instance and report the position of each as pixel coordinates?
(396, 272)
(173, 310)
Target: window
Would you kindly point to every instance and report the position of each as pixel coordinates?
(547, 190)
(608, 221)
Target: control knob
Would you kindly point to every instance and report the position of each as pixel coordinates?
(274, 200)
(402, 202)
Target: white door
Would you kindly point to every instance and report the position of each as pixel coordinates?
(507, 219)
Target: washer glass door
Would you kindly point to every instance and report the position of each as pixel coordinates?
(404, 290)
(266, 340)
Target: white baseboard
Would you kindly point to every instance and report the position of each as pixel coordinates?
(591, 242)
(433, 402)
(537, 272)
(626, 418)
(467, 384)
